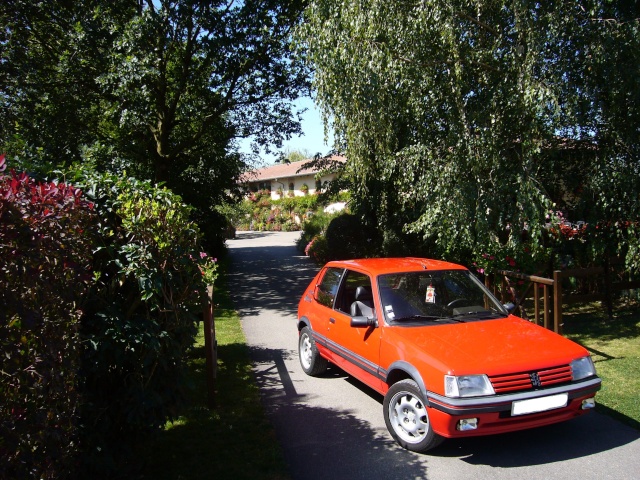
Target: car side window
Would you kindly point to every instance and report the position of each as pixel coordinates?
(328, 287)
(355, 294)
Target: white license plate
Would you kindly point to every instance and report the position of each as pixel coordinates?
(541, 404)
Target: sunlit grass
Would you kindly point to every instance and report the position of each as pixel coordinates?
(615, 348)
(234, 440)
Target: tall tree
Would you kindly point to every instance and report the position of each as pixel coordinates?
(160, 88)
(458, 115)
(50, 55)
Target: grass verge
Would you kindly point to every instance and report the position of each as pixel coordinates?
(615, 348)
(232, 441)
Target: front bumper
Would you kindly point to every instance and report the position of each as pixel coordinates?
(494, 412)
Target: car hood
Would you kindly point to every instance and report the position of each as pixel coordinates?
(487, 346)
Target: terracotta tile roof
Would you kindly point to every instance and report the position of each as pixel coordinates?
(284, 170)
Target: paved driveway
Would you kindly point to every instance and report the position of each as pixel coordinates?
(332, 427)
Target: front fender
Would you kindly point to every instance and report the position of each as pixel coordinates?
(400, 369)
(303, 322)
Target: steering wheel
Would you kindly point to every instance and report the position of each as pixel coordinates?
(455, 302)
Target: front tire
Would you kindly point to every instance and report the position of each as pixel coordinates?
(310, 360)
(407, 418)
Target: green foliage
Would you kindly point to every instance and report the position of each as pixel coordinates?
(292, 156)
(313, 226)
(99, 306)
(260, 212)
(318, 249)
(465, 124)
(233, 440)
(348, 238)
(337, 236)
(140, 322)
(163, 89)
(46, 240)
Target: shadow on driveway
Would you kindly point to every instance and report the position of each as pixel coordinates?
(321, 442)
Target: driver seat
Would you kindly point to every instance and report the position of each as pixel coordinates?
(363, 304)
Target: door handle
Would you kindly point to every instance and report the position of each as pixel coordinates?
(332, 320)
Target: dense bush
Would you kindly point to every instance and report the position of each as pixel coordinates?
(98, 308)
(347, 237)
(337, 237)
(45, 264)
(150, 280)
(314, 226)
(318, 250)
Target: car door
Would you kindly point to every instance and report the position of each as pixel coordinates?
(356, 349)
(323, 306)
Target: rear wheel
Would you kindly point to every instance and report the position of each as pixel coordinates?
(407, 418)
(310, 360)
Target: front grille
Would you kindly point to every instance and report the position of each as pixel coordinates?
(514, 382)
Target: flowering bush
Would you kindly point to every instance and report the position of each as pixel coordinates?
(515, 258)
(318, 249)
(208, 268)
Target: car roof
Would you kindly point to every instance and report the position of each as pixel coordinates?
(381, 266)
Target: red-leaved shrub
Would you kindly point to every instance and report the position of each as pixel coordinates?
(45, 271)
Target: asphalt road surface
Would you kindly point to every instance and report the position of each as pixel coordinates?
(332, 427)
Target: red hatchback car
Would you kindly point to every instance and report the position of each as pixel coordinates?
(449, 358)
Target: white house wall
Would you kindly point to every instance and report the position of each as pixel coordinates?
(298, 182)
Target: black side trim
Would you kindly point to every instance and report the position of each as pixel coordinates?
(348, 355)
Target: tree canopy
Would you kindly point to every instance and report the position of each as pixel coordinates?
(470, 123)
(160, 88)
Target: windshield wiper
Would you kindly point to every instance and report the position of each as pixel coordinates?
(482, 314)
(433, 318)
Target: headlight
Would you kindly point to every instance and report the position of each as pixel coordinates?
(467, 386)
(582, 368)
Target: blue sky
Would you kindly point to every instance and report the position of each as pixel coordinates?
(311, 140)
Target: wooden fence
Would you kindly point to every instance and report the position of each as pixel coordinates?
(548, 296)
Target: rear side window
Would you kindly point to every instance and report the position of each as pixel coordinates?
(329, 286)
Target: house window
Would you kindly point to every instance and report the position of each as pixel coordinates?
(265, 186)
(291, 187)
(318, 185)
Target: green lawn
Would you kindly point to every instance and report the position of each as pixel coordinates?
(232, 441)
(615, 347)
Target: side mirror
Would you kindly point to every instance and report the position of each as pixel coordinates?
(362, 321)
(510, 307)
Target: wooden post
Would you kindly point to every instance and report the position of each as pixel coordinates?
(546, 306)
(557, 301)
(487, 283)
(210, 346)
(536, 303)
(503, 288)
(607, 287)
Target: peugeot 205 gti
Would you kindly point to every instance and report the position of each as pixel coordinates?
(449, 358)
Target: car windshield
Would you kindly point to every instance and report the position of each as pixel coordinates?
(444, 296)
